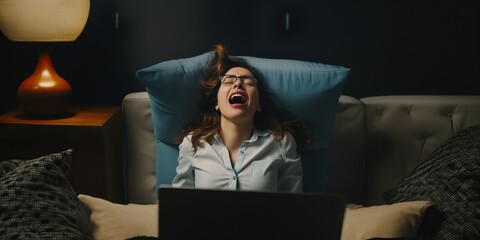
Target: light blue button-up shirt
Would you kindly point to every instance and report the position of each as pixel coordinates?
(263, 164)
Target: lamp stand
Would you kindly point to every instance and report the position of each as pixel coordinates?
(45, 94)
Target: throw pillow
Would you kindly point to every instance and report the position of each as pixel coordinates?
(309, 90)
(450, 178)
(135, 221)
(400, 220)
(37, 200)
(119, 221)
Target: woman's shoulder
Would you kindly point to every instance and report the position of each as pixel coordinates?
(187, 139)
(284, 140)
(288, 141)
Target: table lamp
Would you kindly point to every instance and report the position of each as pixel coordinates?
(44, 94)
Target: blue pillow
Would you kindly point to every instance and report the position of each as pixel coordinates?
(307, 89)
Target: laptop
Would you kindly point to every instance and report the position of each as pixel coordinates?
(186, 213)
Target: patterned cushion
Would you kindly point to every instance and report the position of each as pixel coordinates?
(450, 178)
(37, 200)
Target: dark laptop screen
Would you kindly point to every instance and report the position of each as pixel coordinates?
(219, 214)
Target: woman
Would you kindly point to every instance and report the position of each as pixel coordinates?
(241, 141)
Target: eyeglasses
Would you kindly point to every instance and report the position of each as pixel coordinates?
(229, 80)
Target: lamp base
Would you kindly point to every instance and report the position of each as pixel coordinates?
(45, 94)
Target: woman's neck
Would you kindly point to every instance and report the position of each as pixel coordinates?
(234, 134)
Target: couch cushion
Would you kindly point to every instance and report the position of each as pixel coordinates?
(399, 220)
(136, 221)
(119, 221)
(37, 200)
(450, 178)
(309, 90)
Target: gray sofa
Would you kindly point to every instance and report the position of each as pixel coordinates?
(376, 141)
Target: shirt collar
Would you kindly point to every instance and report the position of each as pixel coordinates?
(256, 134)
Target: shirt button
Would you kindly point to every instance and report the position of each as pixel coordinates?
(234, 178)
(242, 152)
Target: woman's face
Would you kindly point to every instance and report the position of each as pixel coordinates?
(239, 101)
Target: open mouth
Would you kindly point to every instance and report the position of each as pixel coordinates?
(237, 99)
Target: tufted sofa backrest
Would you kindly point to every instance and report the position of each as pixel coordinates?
(375, 142)
(402, 131)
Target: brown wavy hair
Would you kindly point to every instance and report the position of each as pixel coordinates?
(270, 118)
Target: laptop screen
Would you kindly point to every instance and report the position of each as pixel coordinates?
(224, 214)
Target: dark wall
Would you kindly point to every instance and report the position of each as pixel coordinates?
(392, 47)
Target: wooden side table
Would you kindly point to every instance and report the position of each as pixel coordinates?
(94, 134)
